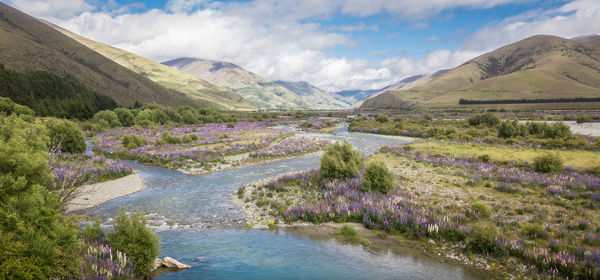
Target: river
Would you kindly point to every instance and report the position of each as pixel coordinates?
(200, 227)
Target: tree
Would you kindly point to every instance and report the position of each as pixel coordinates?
(42, 242)
(67, 135)
(107, 119)
(341, 161)
(125, 116)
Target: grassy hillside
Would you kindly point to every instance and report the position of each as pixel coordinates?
(203, 92)
(319, 99)
(254, 88)
(539, 67)
(28, 44)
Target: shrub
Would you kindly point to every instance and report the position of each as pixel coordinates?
(484, 158)
(481, 208)
(132, 141)
(488, 119)
(107, 119)
(378, 178)
(67, 134)
(535, 231)
(381, 118)
(483, 238)
(8, 107)
(582, 119)
(189, 138)
(509, 129)
(341, 161)
(131, 236)
(170, 139)
(548, 163)
(125, 116)
(594, 170)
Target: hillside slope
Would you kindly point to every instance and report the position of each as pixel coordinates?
(28, 44)
(203, 92)
(254, 88)
(316, 97)
(539, 67)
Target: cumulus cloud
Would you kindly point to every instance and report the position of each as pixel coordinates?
(52, 8)
(282, 39)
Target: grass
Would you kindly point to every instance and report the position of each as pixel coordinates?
(573, 158)
(350, 233)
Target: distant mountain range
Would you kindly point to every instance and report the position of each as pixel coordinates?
(258, 90)
(316, 97)
(539, 67)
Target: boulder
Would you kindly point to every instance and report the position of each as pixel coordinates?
(169, 262)
(173, 263)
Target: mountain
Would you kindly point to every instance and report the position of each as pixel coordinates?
(254, 88)
(205, 93)
(539, 67)
(404, 84)
(585, 38)
(357, 95)
(28, 44)
(316, 97)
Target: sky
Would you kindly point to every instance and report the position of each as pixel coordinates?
(332, 44)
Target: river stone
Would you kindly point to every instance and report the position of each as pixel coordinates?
(157, 263)
(173, 263)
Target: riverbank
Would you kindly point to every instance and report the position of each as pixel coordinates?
(381, 241)
(92, 195)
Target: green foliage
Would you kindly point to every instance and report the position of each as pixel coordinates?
(67, 134)
(594, 170)
(582, 119)
(170, 139)
(107, 119)
(535, 231)
(341, 161)
(484, 158)
(42, 242)
(131, 236)
(509, 129)
(481, 208)
(382, 118)
(91, 232)
(51, 95)
(488, 119)
(8, 107)
(125, 116)
(189, 138)
(350, 233)
(150, 117)
(132, 141)
(549, 163)
(483, 238)
(378, 178)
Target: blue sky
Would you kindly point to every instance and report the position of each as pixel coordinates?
(335, 44)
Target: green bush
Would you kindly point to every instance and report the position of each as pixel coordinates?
(582, 119)
(483, 238)
(481, 208)
(548, 163)
(8, 107)
(189, 138)
(484, 158)
(170, 139)
(125, 116)
(488, 119)
(341, 161)
(382, 118)
(131, 236)
(36, 242)
(535, 231)
(66, 134)
(594, 170)
(132, 141)
(377, 178)
(107, 119)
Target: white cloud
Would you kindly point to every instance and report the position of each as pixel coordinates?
(52, 8)
(279, 39)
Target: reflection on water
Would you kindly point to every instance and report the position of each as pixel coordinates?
(196, 219)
